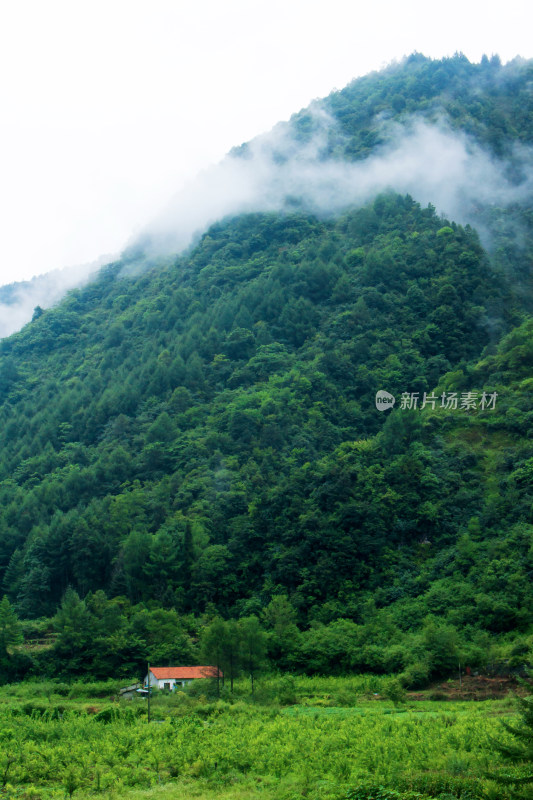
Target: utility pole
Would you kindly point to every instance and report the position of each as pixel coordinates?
(149, 691)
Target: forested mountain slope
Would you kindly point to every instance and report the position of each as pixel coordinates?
(203, 435)
(489, 101)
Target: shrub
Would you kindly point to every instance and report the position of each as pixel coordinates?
(343, 697)
(287, 691)
(416, 676)
(393, 690)
(205, 687)
(95, 689)
(381, 793)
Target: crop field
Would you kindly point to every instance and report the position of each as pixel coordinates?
(323, 739)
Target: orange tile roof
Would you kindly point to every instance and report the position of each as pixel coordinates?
(184, 673)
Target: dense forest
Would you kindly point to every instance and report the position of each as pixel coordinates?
(193, 439)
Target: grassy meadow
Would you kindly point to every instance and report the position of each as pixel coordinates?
(316, 738)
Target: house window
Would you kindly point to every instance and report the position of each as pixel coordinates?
(166, 687)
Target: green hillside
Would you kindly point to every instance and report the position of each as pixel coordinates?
(200, 436)
(487, 100)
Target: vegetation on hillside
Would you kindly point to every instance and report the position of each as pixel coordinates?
(200, 437)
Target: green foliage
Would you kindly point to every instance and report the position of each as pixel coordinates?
(374, 792)
(221, 451)
(197, 437)
(518, 750)
(253, 646)
(10, 628)
(10, 636)
(199, 745)
(393, 690)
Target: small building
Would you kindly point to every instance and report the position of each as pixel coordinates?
(169, 678)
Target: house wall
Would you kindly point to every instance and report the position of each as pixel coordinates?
(151, 678)
(174, 684)
(160, 683)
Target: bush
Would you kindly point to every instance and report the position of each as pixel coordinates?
(344, 698)
(393, 690)
(395, 658)
(108, 714)
(443, 787)
(95, 689)
(34, 709)
(416, 676)
(264, 695)
(287, 691)
(381, 793)
(205, 687)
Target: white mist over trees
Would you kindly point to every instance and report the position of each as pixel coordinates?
(430, 161)
(432, 129)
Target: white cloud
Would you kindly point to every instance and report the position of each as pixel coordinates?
(429, 161)
(19, 300)
(108, 106)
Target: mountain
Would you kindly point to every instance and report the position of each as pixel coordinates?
(198, 432)
(19, 300)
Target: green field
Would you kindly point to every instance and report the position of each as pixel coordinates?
(305, 737)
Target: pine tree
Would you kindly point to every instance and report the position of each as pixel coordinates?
(212, 645)
(253, 646)
(10, 631)
(519, 751)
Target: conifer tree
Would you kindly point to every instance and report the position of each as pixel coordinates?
(519, 751)
(10, 632)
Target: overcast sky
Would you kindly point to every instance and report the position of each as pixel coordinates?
(109, 107)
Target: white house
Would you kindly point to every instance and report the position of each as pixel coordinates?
(168, 678)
